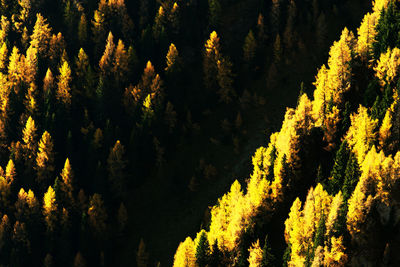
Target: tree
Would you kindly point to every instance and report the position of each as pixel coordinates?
(41, 35)
(338, 170)
(79, 261)
(121, 62)
(172, 60)
(202, 249)
(107, 58)
(3, 57)
(122, 217)
(336, 256)
(352, 174)
(185, 254)
(82, 30)
(50, 209)
(268, 259)
(225, 80)
(45, 158)
(63, 93)
(116, 165)
(97, 216)
(11, 173)
(366, 35)
(142, 257)
(249, 48)
(361, 134)
(388, 66)
(210, 59)
(255, 255)
(29, 137)
(67, 185)
(277, 49)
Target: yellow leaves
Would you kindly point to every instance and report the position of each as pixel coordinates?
(385, 130)
(185, 254)
(366, 35)
(339, 64)
(121, 61)
(41, 35)
(172, 57)
(361, 134)
(388, 65)
(63, 93)
(3, 56)
(321, 95)
(49, 208)
(212, 45)
(45, 157)
(255, 255)
(29, 136)
(337, 202)
(336, 256)
(378, 5)
(106, 59)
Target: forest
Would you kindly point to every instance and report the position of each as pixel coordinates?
(199, 133)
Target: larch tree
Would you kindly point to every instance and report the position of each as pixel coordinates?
(121, 62)
(268, 259)
(388, 66)
(116, 165)
(106, 60)
(142, 256)
(11, 172)
(255, 255)
(225, 80)
(41, 35)
(210, 59)
(366, 36)
(185, 254)
(97, 216)
(122, 217)
(29, 136)
(79, 260)
(214, 13)
(67, 185)
(3, 57)
(361, 134)
(50, 209)
(63, 93)
(45, 158)
(172, 60)
(249, 48)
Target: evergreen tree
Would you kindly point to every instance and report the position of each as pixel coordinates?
(268, 259)
(338, 170)
(202, 250)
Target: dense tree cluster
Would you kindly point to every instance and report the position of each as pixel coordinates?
(339, 152)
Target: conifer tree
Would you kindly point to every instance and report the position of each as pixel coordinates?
(338, 170)
(40, 38)
(116, 165)
(45, 158)
(97, 216)
(50, 209)
(214, 13)
(30, 143)
(142, 257)
(107, 58)
(121, 62)
(67, 185)
(202, 249)
(185, 254)
(249, 48)
(63, 93)
(255, 255)
(172, 60)
(268, 259)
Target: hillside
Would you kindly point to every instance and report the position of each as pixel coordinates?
(327, 181)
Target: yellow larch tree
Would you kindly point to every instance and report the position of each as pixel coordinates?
(31, 65)
(121, 62)
(385, 129)
(321, 95)
(336, 256)
(48, 82)
(67, 177)
(172, 59)
(255, 255)
(366, 35)
(185, 254)
(29, 136)
(45, 158)
(15, 69)
(211, 57)
(63, 93)
(333, 214)
(40, 38)
(106, 60)
(116, 165)
(3, 57)
(50, 208)
(11, 173)
(388, 66)
(361, 134)
(339, 74)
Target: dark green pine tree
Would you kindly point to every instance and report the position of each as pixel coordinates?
(216, 255)
(346, 118)
(352, 174)
(338, 170)
(268, 259)
(202, 250)
(286, 255)
(272, 157)
(320, 233)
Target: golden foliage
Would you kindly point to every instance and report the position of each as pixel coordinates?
(366, 35)
(106, 60)
(97, 215)
(336, 256)
(185, 254)
(361, 134)
(255, 255)
(63, 93)
(41, 35)
(50, 208)
(45, 157)
(388, 66)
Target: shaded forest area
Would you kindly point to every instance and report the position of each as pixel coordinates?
(121, 122)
